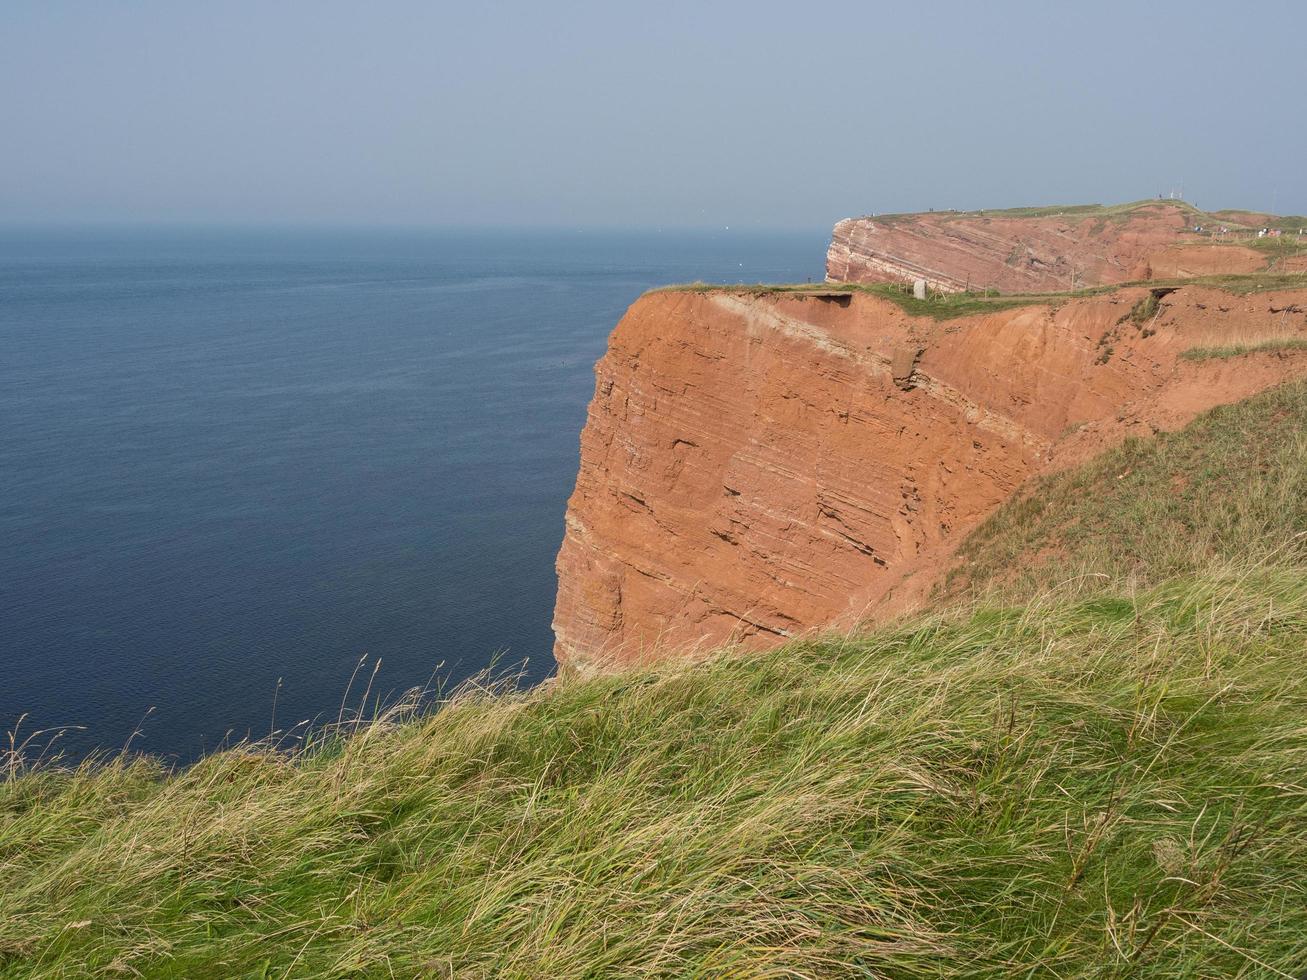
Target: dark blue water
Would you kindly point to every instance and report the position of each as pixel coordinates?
(229, 459)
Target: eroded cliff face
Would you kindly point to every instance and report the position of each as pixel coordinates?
(954, 251)
(755, 465)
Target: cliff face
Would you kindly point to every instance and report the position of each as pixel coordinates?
(953, 251)
(758, 464)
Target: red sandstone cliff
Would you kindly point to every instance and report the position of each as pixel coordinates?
(758, 464)
(1055, 252)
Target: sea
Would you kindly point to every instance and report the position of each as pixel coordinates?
(248, 475)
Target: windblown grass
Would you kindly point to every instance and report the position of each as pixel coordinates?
(1232, 485)
(1040, 782)
(1072, 789)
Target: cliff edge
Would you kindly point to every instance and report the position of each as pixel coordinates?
(760, 462)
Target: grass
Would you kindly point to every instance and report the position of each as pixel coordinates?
(1289, 223)
(1286, 223)
(1231, 485)
(1235, 350)
(1145, 309)
(1097, 788)
(937, 305)
(1073, 780)
(1108, 212)
(1243, 285)
(948, 306)
(1283, 247)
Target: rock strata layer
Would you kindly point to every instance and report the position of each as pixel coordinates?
(955, 251)
(755, 465)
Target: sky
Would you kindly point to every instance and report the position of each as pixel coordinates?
(633, 114)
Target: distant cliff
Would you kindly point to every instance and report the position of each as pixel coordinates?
(1045, 250)
(758, 463)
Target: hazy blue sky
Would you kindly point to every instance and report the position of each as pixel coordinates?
(641, 114)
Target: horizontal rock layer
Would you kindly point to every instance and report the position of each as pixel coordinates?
(756, 465)
(954, 251)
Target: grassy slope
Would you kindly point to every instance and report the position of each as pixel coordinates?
(1097, 786)
(1236, 350)
(1230, 486)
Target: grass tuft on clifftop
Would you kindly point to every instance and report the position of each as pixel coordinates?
(1237, 350)
(948, 306)
(1034, 781)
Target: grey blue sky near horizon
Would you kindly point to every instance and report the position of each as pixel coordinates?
(667, 114)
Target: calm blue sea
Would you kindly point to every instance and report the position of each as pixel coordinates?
(230, 461)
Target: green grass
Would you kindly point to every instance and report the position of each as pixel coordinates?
(1145, 309)
(1105, 212)
(948, 306)
(1089, 763)
(938, 306)
(1047, 211)
(1290, 223)
(1243, 285)
(1102, 788)
(1283, 247)
(1235, 350)
(1232, 485)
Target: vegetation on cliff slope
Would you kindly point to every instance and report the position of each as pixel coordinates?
(1236, 350)
(1103, 785)
(1230, 486)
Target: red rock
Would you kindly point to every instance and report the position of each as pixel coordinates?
(954, 251)
(755, 466)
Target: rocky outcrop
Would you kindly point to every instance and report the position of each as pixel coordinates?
(758, 464)
(1041, 253)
